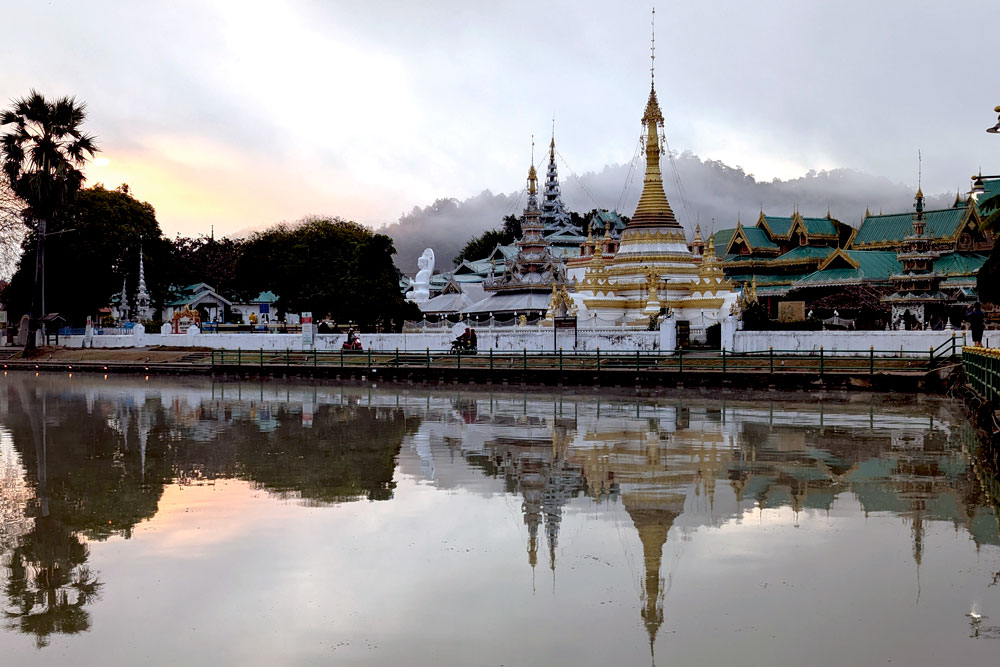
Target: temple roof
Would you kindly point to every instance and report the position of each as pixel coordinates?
(520, 301)
(894, 227)
(756, 238)
(851, 266)
(805, 252)
(722, 239)
(991, 187)
(959, 263)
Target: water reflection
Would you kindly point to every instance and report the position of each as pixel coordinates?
(85, 460)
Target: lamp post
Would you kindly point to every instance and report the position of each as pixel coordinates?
(996, 128)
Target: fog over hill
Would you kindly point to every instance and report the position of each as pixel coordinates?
(704, 190)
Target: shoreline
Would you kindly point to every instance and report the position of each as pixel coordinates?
(187, 361)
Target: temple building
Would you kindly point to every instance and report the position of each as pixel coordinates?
(874, 272)
(775, 252)
(530, 277)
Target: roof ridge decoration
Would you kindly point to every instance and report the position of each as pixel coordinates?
(842, 254)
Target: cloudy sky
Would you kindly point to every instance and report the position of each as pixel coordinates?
(242, 114)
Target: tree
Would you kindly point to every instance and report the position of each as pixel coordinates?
(480, 246)
(42, 155)
(12, 228)
(94, 245)
(333, 267)
(208, 260)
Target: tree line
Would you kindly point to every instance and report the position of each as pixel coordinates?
(73, 249)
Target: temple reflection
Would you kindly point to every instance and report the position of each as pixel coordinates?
(86, 459)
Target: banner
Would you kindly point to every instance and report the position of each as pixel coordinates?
(307, 329)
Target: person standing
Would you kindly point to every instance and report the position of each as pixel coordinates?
(976, 318)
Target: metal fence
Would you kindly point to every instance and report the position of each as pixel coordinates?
(861, 362)
(982, 368)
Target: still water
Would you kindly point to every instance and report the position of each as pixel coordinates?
(167, 522)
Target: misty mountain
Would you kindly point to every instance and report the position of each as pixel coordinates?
(705, 191)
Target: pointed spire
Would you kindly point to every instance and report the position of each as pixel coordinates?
(532, 180)
(653, 209)
(554, 214)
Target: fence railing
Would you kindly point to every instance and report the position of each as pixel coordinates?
(982, 368)
(771, 362)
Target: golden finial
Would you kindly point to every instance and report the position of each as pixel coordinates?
(652, 46)
(532, 174)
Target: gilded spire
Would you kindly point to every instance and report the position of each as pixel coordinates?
(653, 209)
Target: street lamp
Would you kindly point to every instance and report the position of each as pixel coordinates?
(996, 128)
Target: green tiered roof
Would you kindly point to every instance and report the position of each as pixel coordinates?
(891, 229)
(757, 238)
(820, 226)
(805, 252)
(992, 188)
(778, 226)
(863, 265)
(959, 263)
(722, 239)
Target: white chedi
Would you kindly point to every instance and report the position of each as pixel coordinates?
(421, 282)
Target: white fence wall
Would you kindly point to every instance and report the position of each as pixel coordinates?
(513, 339)
(885, 343)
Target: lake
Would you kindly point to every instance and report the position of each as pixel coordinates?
(180, 521)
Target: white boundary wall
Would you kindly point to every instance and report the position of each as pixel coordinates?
(885, 343)
(510, 340)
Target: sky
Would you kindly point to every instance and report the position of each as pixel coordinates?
(238, 115)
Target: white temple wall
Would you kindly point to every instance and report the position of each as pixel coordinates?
(533, 339)
(886, 343)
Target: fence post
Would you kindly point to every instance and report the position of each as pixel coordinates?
(288, 357)
(239, 353)
(637, 361)
(428, 358)
(397, 357)
(262, 357)
(213, 361)
(723, 359)
(680, 360)
(369, 356)
(598, 359)
(560, 358)
(770, 355)
(820, 362)
(525, 358)
(871, 360)
(930, 359)
(491, 353)
(341, 356)
(314, 357)
(459, 357)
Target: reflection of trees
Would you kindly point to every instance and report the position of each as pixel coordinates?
(49, 583)
(86, 481)
(349, 453)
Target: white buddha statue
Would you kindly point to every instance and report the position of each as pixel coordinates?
(421, 282)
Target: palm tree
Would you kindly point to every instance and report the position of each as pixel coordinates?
(42, 156)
